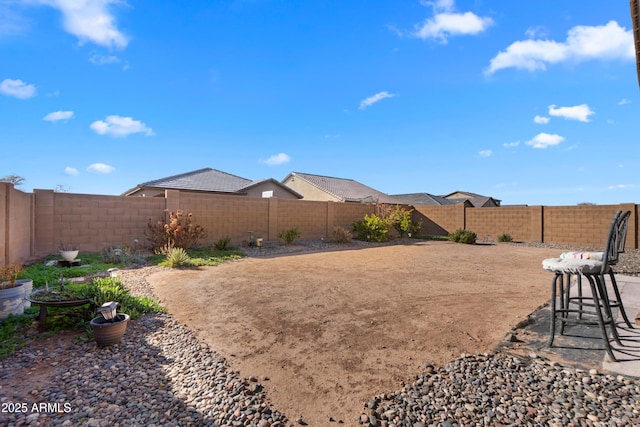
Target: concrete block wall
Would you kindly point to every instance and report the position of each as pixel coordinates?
(491, 222)
(34, 225)
(15, 224)
(440, 220)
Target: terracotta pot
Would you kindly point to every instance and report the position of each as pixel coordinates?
(106, 332)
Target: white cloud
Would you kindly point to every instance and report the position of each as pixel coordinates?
(17, 89)
(277, 159)
(446, 22)
(90, 21)
(375, 98)
(622, 187)
(120, 126)
(485, 153)
(578, 112)
(71, 171)
(511, 144)
(624, 101)
(541, 120)
(99, 59)
(610, 41)
(58, 115)
(100, 168)
(544, 140)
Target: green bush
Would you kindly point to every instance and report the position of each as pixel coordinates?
(121, 255)
(223, 243)
(504, 238)
(289, 235)
(101, 290)
(402, 221)
(177, 257)
(372, 228)
(463, 236)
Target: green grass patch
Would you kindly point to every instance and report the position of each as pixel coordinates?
(204, 256)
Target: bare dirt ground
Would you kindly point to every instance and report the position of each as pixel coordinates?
(326, 331)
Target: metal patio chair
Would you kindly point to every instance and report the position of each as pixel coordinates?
(594, 270)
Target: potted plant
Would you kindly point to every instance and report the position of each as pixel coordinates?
(12, 291)
(68, 252)
(109, 326)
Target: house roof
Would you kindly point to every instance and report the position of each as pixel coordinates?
(425, 199)
(210, 180)
(347, 190)
(206, 179)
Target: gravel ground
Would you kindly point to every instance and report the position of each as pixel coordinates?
(161, 375)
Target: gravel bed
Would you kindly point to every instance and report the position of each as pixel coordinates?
(162, 375)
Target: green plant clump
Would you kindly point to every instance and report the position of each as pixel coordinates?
(223, 243)
(289, 235)
(463, 236)
(177, 257)
(101, 290)
(372, 228)
(402, 221)
(505, 238)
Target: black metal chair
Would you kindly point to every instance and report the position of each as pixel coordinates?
(595, 271)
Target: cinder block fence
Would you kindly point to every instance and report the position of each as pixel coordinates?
(35, 224)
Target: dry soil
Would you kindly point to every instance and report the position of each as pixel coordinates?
(325, 331)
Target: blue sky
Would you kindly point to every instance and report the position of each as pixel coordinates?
(528, 102)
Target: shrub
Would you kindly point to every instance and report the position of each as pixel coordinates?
(463, 236)
(101, 290)
(372, 228)
(341, 234)
(402, 221)
(289, 235)
(177, 257)
(120, 255)
(179, 232)
(223, 243)
(504, 238)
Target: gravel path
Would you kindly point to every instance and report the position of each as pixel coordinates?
(161, 375)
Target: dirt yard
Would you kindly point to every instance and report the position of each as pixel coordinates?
(325, 331)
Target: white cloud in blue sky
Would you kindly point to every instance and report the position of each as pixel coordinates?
(541, 120)
(71, 171)
(485, 153)
(446, 23)
(580, 113)
(375, 98)
(58, 115)
(583, 43)
(120, 126)
(90, 21)
(17, 89)
(277, 159)
(101, 168)
(511, 144)
(545, 140)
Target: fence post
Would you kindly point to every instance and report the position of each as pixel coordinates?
(537, 223)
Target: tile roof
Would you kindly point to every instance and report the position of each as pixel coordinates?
(206, 179)
(425, 199)
(347, 190)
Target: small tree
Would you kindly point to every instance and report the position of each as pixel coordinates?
(13, 179)
(402, 221)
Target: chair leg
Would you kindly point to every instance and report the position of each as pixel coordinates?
(552, 320)
(618, 302)
(594, 282)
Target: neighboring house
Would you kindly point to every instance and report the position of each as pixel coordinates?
(426, 199)
(209, 180)
(477, 200)
(327, 188)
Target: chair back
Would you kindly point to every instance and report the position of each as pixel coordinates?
(621, 233)
(612, 245)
